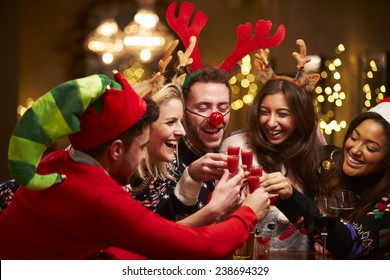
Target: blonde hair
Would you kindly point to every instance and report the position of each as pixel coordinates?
(167, 92)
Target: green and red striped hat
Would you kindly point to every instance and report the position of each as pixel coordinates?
(90, 110)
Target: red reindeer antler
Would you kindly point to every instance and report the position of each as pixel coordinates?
(181, 25)
(260, 40)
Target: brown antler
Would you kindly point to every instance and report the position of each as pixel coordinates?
(310, 81)
(307, 81)
(184, 60)
(149, 87)
(261, 59)
(263, 66)
(246, 45)
(301, 57)
(304, 80)
(183, 29)
(163, 62)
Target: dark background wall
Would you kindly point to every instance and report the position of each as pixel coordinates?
(42, 43)
(9, 18)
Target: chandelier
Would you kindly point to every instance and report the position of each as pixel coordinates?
(143, 38)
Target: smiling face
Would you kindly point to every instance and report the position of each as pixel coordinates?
(127, 159)
(365, 150)
(275, 118)
(166, 132)
(204, 99)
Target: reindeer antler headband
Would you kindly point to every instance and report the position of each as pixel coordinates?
(301, 79)
(156, 83)
(245, 45)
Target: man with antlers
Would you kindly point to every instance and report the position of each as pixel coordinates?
(207, 95)
(148, 186)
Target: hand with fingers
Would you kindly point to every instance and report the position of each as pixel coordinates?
(259, 202)
(209, 167)
(276, 183)
(227, 194)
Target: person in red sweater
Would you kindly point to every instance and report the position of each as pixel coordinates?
(71, 204)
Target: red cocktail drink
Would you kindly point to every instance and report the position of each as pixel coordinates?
(247, 158)
(256, 171)
(253, 182)
(232, 163)
(234, 151)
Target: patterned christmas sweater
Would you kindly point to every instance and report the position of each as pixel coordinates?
(366, 237)
(157, 194)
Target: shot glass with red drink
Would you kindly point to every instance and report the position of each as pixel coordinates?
(232, 163)
(253, 182)
(247, 158)
(256, 170)
(233, 151)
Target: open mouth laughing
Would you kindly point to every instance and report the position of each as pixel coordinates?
(172, 144)
(274, 134)
(354, 162)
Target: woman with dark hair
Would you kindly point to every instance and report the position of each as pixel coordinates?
(284, 136)
(288, 139)
(362, 165)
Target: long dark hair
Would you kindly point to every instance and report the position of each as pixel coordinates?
(301, 153)
(334, 178)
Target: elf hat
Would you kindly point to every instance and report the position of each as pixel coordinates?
(92, 110)
(383, 108)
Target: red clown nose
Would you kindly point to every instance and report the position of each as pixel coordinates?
(216, 118)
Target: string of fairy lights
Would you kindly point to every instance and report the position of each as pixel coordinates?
(372, 87)
(245, 81)
(330, 96)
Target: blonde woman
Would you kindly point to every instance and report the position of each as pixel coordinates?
(151, 184)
